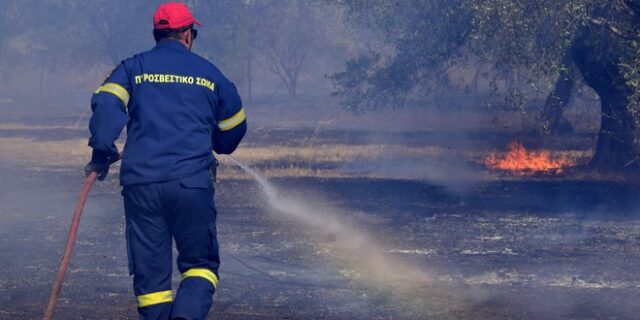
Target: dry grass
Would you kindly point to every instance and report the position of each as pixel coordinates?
(19, 126)
(282, 161)
(32, 152)
(230, 172)
(329, 152)
(319, 161)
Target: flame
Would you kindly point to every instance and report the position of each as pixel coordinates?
(518, 159)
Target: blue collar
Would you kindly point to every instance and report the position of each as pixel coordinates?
(171, 43)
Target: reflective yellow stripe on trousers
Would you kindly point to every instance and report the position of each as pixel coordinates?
(202, 273)
(150, 299)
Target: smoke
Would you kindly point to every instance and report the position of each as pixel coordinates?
(455, 174)
(440, 147)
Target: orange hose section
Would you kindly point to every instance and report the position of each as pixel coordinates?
(73, 232)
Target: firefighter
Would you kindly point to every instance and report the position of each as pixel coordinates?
(177, 108)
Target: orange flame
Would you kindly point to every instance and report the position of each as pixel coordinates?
(518, 159)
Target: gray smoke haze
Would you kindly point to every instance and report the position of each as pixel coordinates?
(455, 174)
(43, 68)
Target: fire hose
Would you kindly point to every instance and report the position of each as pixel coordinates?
(71, 239)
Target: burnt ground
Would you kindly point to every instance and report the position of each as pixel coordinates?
(502, 249)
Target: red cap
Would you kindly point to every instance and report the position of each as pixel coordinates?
(173, 15)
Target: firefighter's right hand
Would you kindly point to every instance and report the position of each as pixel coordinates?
(99, 164)
(101, 169)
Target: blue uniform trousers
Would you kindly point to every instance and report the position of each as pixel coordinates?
(156, 213)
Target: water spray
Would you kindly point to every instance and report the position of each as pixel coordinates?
(357, 248)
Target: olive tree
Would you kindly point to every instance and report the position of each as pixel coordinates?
(563, 43)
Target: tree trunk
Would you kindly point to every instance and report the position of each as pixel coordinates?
(552, 120)
(615, 148)
(43, 74)
(250, 78)
(293, 85)
(476, 83)
(600, 66)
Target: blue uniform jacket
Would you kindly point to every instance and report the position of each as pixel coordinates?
(177, 107)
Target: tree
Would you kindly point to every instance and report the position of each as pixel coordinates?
(37, 41)
(548, 41)
(605, 51)
(289, 31)
(115, 30)
(224, 38)
(282, 37)
(423, 40)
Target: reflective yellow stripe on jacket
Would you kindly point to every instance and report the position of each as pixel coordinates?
(117, 90)
(202, 273)
(232, 122)
(150, 299)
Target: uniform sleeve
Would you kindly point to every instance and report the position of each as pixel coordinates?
(109, 105)
(231, 123)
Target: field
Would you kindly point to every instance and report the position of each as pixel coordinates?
(376, 217)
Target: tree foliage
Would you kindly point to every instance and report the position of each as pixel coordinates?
(431, 37)
(422, 37)
(544, 41)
